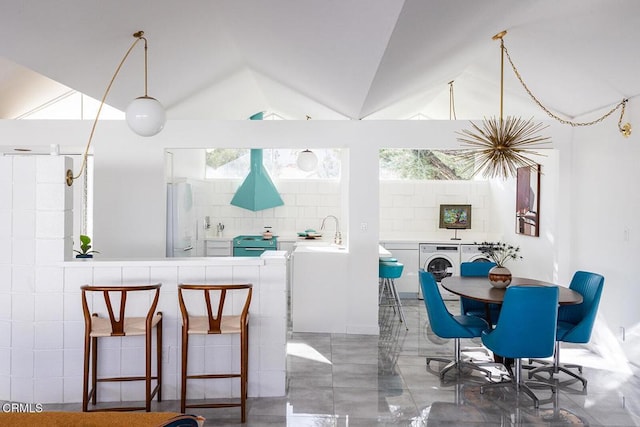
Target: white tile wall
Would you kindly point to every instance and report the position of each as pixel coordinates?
(412, 208)
(306, 203)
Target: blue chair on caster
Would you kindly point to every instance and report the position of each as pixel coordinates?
(575, 323)
(470, 307)
(526, 329)
(446, 325)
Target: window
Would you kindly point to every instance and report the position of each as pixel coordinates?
(422, 165)
(281, 163)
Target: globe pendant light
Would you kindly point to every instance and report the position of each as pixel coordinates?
(307, 160)
(145, 115)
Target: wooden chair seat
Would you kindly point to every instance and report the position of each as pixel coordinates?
(133, 326)
(228, 325)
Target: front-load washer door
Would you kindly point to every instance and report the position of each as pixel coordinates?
(439, 266)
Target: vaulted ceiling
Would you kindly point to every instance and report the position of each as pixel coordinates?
(331, 59)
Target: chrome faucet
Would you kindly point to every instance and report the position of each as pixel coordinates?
(337, 239)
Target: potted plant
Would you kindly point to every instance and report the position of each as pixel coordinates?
(85, 248)
(500, 253)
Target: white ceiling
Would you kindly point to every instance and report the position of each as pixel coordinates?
(331, 59)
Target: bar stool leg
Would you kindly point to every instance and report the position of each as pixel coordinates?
(243, 375)
(398, 303)
(85, 379)
(147, 372)
(94, 370)
(183, 387)
(159, 358)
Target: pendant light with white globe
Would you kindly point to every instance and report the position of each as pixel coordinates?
(307, 160)
(145, 115)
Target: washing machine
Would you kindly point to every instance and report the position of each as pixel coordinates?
(442, 260)
(471, 253)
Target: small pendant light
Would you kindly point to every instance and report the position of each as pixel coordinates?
(307, 160)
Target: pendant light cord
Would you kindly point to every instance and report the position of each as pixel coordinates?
(452, 105)
(138, 36)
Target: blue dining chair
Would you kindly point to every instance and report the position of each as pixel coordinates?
(470, 307)
(526, 329)
(446, 325)
(575, 323)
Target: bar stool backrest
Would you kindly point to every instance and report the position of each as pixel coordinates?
(215, 310)
(117, 321)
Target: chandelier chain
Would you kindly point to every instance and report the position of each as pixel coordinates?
(621, 104)
(452, 105)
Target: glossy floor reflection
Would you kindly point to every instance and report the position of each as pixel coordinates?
(350, 380)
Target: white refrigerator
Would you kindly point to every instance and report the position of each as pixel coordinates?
(181, 220)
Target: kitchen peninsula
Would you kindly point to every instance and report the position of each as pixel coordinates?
(41, 321)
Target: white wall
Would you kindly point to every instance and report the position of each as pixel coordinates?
(604, 216)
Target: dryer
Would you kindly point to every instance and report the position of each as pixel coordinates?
(442, 260)
(471, 253)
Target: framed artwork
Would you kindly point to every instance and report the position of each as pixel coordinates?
(455, 216)
(528, 201)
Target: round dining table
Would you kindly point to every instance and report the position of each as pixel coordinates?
(479, 289)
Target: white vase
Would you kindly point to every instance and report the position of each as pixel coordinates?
(500, 277)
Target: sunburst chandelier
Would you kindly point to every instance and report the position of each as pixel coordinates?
(500, 146)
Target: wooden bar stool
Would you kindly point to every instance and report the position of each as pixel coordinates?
(217, 319)
(101, 326)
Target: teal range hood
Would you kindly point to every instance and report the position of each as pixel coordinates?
(257, 192)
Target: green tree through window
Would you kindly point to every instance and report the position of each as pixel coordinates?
(422, 164)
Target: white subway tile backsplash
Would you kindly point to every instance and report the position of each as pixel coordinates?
(50, 251)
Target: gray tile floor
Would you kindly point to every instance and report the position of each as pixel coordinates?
(356, 380)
